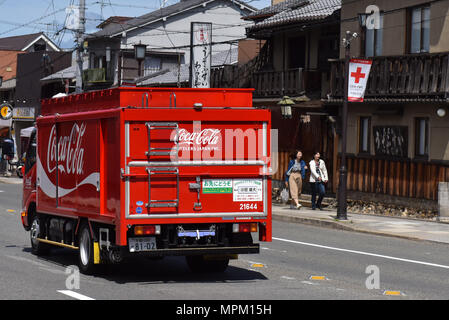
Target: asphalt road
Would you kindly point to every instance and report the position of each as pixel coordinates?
(302, 262)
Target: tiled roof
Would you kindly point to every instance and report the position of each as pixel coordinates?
(275, 9)
(67, 73)
(17, 43)
(115, 28)
(171, 76)
(312, 11)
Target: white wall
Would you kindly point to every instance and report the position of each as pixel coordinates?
(222, 14)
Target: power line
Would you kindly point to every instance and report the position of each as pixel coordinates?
(32, 21)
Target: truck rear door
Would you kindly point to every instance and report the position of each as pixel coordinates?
(210, 168)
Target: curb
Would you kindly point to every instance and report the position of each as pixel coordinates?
(337, 225)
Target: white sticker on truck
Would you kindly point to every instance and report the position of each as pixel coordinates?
(247, 190)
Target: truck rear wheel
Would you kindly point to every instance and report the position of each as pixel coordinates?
(38, 248)
(200, 264)
(86, 250)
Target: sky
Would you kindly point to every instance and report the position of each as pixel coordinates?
(19, 17)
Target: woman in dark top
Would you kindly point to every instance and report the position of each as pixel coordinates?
(294, 176)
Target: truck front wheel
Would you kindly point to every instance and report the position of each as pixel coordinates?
(86, 251)
(200, 264)
(38, 248)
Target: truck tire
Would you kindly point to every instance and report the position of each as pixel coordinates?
(199, 264)
(86, 250)
(37, 248)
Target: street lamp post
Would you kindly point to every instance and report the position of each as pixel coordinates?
(139, 54)
(342, 194)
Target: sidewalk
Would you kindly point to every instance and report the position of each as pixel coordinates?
(13, 179)
(378, 225)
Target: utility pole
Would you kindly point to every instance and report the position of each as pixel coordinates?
(79, 47)
(342, 194)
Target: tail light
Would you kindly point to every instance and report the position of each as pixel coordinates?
(147, 230)
(244, 227)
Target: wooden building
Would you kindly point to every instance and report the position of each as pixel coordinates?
(398, 138)
(296, 40)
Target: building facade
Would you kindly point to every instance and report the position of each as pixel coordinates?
(166, 34)
(398, 138)
(300, 37)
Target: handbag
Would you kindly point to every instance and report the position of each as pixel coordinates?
(285, 195)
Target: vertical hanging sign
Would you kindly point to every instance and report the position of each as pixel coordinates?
(200, 54)
(358, 78)
(73, 18)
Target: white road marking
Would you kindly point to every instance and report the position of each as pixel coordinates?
(269, 249)
(311, 283)
(364, 253)
(75, 295)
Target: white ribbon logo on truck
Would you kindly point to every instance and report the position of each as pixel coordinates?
(67, 155)
(67, 150)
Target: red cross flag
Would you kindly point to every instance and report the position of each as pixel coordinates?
(358, 77)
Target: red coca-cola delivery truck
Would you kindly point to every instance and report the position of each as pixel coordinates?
(150, 171)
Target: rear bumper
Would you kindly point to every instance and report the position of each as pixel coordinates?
(254, 248)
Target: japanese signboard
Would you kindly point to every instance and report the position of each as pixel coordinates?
(217, 186)
(200, 54)
(247, 190)
(358, 77)
(23, 113)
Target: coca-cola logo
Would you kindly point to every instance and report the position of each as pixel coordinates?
(203, 137)
(66, 154)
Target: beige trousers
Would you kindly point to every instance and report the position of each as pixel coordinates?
(295, 184)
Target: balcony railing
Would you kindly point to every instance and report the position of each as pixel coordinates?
(94, 75)
(422, 76)
(275, 84)
(96, 78)
(278, 83)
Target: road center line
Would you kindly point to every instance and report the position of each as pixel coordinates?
(75, 295)
(364, 253)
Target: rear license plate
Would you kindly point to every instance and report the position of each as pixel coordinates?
(142, 244)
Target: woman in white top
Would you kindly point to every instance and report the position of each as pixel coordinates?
(318, 178)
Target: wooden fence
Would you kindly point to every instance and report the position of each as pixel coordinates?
(283, 160)
(402, 178)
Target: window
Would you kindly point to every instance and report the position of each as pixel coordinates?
(152, 65)
(364, 135)
(297, 52)
(39, 47)
(373, 39)
(421, 137)
(30, 155)
(419, 29)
